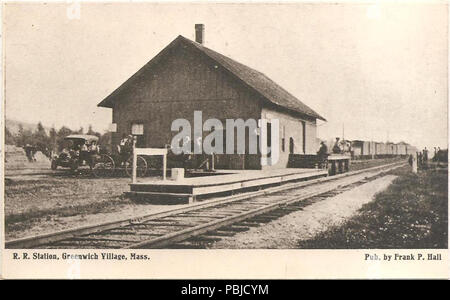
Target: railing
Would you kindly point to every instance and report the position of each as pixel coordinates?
(149, 152)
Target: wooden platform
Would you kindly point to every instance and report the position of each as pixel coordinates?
(338, 164)
(222, 182)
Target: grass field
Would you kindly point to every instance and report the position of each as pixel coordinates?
(411, 213)
(34, 193)
(29, 201)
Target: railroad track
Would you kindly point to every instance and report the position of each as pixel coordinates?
(206, 240)
(170, 228)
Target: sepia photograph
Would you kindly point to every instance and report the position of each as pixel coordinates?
(314, 129)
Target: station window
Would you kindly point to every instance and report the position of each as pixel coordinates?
(137, 129)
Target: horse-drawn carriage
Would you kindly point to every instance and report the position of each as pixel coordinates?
(81, 151)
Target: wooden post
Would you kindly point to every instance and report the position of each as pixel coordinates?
(147, 152)
(333, 167)
(134, 160)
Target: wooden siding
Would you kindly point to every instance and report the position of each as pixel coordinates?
(180, 85)
(185, 82)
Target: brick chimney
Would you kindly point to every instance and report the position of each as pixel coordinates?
(200, 33)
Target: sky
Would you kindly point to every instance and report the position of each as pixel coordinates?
(378, 71)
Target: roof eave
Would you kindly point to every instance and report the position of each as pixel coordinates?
(105, 103)
(321, 118)
(108, 102)
(312, 115)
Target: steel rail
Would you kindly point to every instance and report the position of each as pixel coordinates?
(34, 241)
(181, 235)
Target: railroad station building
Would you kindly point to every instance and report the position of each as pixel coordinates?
(185, 77)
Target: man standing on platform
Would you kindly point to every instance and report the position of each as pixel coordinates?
(336, 148)
(322, 154)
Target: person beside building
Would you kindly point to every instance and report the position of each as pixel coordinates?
(125, 147)
(92, 151)
(123, 142)
(84, 153)
(425, 158)
(425, 154)
(322, 154)
(27, 149)
(420, 160)
(336, 148)
(93, 148)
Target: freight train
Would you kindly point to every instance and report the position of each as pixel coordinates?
(369, 149)
(359, 149)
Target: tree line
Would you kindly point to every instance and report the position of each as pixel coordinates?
(51, 142)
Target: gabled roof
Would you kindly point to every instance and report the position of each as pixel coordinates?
(253, 79)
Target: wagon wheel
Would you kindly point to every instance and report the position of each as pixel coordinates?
(141, 166)
(104, 166)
